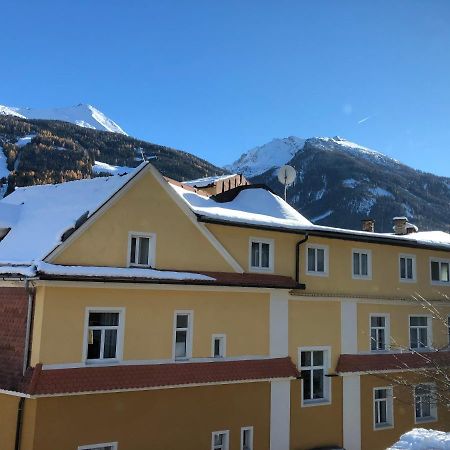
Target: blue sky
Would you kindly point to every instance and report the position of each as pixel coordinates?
(217, 78)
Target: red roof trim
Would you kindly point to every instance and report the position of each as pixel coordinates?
(139, 377)
(392, 362)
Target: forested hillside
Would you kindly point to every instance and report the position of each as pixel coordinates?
(45, 151)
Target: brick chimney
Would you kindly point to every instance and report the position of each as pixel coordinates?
(400, 225)
(368, 225)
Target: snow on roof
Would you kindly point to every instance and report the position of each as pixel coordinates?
(207, 181)
(422, 439)
(119, 272)
(39, 215)
(256, 206)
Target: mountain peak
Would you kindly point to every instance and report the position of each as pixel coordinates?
(84, 115)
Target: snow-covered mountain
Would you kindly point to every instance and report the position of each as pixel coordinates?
(280, 151)
(339, 183)
(83, 115)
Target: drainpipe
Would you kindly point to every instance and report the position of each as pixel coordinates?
(19, 423)
(27, 348)
(297, 257)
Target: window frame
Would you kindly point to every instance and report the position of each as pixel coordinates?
(433, 405)
(189, 334)
(414, 268)
(389, 408)
(242, 437)
(113, 445)
(151, 249)
(440, 261)
(223, 338)
(261, 240)
(327, 387)
(429, 332)
(387, 332)
(315, 273)
(227, 438)
(369, 263)
(120, 335)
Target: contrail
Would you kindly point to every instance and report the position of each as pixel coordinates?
(364, 120)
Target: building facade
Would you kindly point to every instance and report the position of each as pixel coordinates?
(140, 313)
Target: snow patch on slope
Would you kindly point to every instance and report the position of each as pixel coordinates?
(83, 115)
(105, 168)
(273, 154)
(322, 216)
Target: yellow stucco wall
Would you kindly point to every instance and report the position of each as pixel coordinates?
(8, 419)
(162, 419)
(399, 324)
(145, 207)
(385, 271)
(149, 320)
(403, 412)
(236, 241)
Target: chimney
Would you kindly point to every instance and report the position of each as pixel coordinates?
(400, 225)
(368, 225)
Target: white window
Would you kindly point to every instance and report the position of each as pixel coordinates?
(247, 438)
(141, 249)
(379, 332)
(383, 407)
(109, 446)
(407, 268)
(317, 260)
(425, 402)
(220, 440)
(219, 346)
(183, 335)
(419, 332)
(440, 271)
(314, 365)
(261, 255)
(103, 341)
(362, 264)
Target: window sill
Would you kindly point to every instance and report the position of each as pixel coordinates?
(323, 402)
(408, 281)
(426, 420)
(102, 362)
(317, 274)
(362, 278)
(381, 427)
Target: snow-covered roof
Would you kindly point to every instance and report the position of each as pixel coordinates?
(39, 215)
(207, 181)
(256, 206)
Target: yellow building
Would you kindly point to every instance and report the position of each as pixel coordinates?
(137, 313)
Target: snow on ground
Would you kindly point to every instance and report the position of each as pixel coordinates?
(101, 168)
(322, 216)
(21, 142)
(350, 183)
(83, 115)
(207, 181)
(4, 172)
(120, 272)
(422, 439)
(380, 192)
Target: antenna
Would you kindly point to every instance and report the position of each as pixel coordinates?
(286, 176)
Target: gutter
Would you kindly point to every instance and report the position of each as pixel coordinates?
(297, 257)
(20, 410)
(30, 310)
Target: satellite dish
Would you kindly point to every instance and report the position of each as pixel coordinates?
(286, 176)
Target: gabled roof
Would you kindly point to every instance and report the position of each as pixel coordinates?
(38, 216)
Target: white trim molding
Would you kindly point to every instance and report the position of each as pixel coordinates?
(151, 249)
(389, 408)
(315, 273)
(351, 414)
(189, 334)
(223, 345)
(407, 256)
(113, 446)
(250, 447)
(280, 414)
(271, 244)
(361, 251)
(279, 324)
(349, 327)
(226, 433)
(387, 332)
